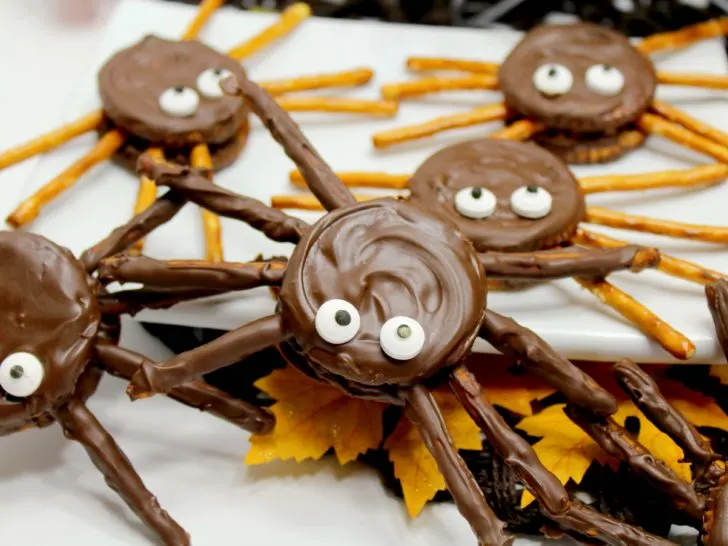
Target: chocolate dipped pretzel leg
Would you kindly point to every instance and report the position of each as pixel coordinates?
(715, 520)
(717, 295)
(131, 302)
(510, 338)
(562, 263)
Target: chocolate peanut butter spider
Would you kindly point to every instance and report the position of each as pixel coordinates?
(580, 90)
(518, 203)
(60, 331)
(164, 97)
(383, 299)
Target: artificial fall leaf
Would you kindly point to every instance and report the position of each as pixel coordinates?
(700, 410)
(414, 466)
(721, 372)
(313, 417)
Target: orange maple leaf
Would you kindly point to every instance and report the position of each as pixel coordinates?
(414, 466)
(721, 372)
(311, 418)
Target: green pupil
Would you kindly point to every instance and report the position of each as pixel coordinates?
(404, 331)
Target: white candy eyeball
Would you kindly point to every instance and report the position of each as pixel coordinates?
(337, 321)
(402, 338)
(476, 203)
(553, 79)
(531, 202)
(605, 79)
(21, 374)
(179, 102)
(208, 82)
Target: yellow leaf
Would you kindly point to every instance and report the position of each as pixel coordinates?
(414, 466)
(564, 448)
(311, 418)
(700, 410)
(721, 372)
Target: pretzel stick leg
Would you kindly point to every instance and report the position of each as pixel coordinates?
(650, 123)
(196, 394)
(350, 78)
(132, 301)
(377, 108)
(710, 81)
(438, 125)
(512, 339)
(80, 425)
(362, 179)
(426, 64)
(422, 410)
(211, 224)
(684, 36)
(669, 265)
(715, 532)
(717, 296)
(704, 175)
(426, 86)
(289, 19)
(147, 195)
(204, 12)
(306, 201)
(48, 141)
(29, 209)
(678, 230)
(654, 327)
(520, 130)
(680, 117)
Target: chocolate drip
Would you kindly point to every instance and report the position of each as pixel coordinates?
(275, 224)
(717, 295)
(562, 263)
(319, 177)
(196, 394)
(535, 354)
(421, 409)
(618, 443)
(191, 274)
(715, 520)
(131, 302)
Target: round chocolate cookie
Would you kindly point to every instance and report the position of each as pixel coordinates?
(582, 78)
(168, 93)
(50, 319)
(381, 294)
(586, 149)
(503, 195)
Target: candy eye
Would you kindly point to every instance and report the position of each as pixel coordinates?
(337, 321)
(553, 79)
(402, 338)
(604, 79)
(476, 203)
(208, 82)
(21, 374)
(531, 202)
(180, 101)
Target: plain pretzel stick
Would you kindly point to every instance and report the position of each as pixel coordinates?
(349, 78)
(330, 104)
(669, 265)
(204, 12)
(201, 159)
(288, 20)
(361, 179)
(29, 209)
(653, 326)
(678, 230)
(413, 132)
(685, 36)
(522, 129)
(710, 81)
(426, 64)
(435, 84)
(689, 122)
(697, 176)
(48, 141)
(147, 195)
(650, 123)
(306, 201)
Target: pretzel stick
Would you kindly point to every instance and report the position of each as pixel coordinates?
(689, 122)
(200, 158)
(204, 12)
(146, 196)
(29, 209)
(678, 230)
(651, 123)
(425, 64)
(361, 179)
(520, 130)
(307, 201)
(685, 36)
(702, 175)
(48, 141)
(436, 84)
(288, 20)
(438, 125)
(710, 81)
(670, 339)
(330, 104)
(669, 265)
(349, 78)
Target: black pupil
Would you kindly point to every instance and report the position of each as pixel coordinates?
(553, 72)
(477, 193)
(608, 67)
(342, 318)
(533, 188)
(217, 71)
(179, 89)
(16, 372)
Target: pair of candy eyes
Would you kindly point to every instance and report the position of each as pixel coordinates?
(531, 202)
(337, 322)
(21, 374)
(183, 101)
(555, 79)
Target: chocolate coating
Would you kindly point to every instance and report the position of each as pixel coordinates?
(577, 47)
(501, 166)
(590, 148)
(131, 82)
(49, 310)
(387, 258)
